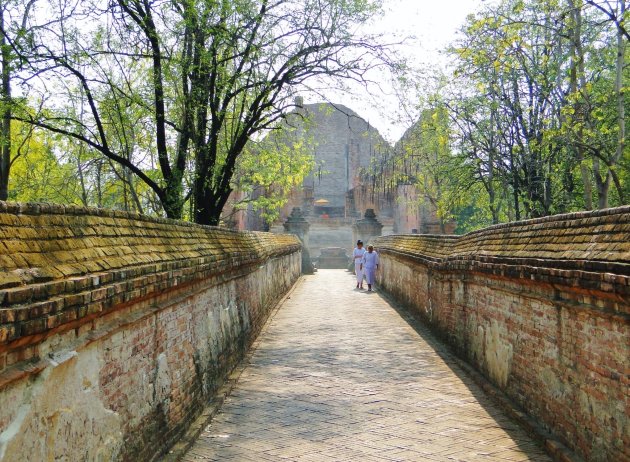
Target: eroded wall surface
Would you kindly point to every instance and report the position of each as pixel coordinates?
(116, 329)
(541, 308)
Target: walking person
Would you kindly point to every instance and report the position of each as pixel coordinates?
(358, 258)
(369, 265)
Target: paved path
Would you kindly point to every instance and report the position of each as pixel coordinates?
(340, 376)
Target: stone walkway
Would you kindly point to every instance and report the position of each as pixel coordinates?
(340, 376)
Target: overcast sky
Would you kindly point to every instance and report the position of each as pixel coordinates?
(434, 23)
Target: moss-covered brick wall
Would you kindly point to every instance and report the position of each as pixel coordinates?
(541, 308)
(116, 329)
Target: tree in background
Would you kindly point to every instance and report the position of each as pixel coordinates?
(530, 120)
(14, 31)
(271, 169)
(426, 159)
(201, 77)
(538, 105)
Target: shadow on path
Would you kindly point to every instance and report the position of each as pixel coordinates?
(343, 375)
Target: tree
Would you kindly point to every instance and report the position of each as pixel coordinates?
(577, 76)
(269, 171)
(207, 77)
(427, 150)
(515, 66)
(538, 100)
(13, 30)
(594, 116)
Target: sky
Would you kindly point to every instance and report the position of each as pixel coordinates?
(434, 23)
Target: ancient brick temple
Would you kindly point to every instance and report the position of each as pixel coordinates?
(345, 146)
(346, 181)
(350, 166)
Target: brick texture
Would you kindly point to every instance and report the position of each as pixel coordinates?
(541, 308)
(62, 263)
(116, 329)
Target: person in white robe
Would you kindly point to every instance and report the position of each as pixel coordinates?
(369, 265)
(357, 255)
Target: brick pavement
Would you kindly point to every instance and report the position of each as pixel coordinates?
(340, 376)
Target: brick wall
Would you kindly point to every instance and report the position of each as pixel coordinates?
(541, 308)
(116, 329)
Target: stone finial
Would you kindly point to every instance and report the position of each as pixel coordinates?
(368, 227)
(369, 219)
(297, 224)
(297, 216)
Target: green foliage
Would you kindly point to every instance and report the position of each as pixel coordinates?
(270, 170)
(169, 94)
(153, 106)
(37, 175)
(530, 121)
(536, 111)
(427, 151)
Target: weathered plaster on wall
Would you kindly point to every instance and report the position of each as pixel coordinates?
(115, 365)
(498, 353)
(61, 415)
(541, 308)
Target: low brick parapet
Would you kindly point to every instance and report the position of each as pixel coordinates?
(45, 242)
(584, 250)
(540, 307)
(79, 283)
(59, 264)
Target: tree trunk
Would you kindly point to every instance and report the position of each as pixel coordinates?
(99, 185)
(84, 194)
(577, 75)
(516, 188)
(208, 215)
(618, 186)
(209, 206)
(132, 190)
(172, 200)
(5, 129)
(491, 191)
(602, 183)
(619, 89)
(125, 194)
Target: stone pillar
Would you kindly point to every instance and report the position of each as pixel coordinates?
(367, 228)
(296, 224)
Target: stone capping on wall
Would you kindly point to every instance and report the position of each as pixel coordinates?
(584, 250)
(61, 264)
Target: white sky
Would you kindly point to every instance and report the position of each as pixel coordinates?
(434, 23)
